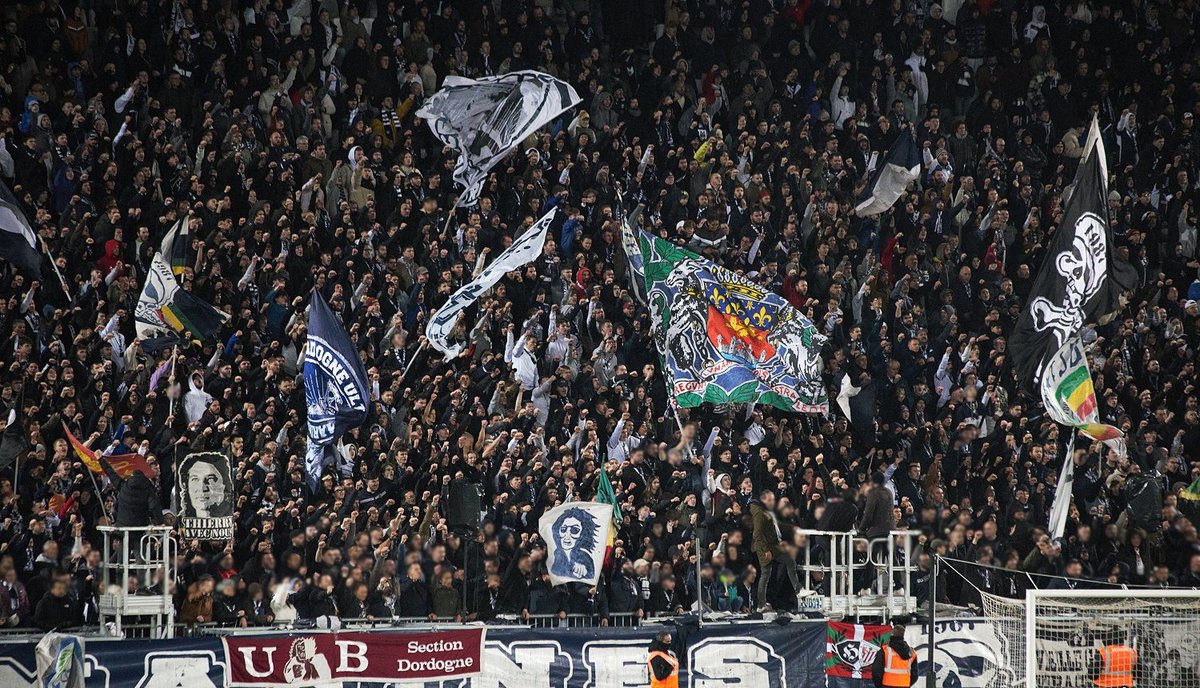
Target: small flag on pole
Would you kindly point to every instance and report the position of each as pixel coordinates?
(175, 244)
(901, 165)
(18, 241)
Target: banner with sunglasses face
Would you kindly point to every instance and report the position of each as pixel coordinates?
(205, 496)
(576, 534)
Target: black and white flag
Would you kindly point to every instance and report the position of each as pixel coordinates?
(525, 249)
(18, 241)
(485, 119)
(1078, 280)
(901, 165)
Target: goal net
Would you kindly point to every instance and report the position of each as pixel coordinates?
(1050, 639)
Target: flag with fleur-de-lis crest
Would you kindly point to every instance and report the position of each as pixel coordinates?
(724, 339)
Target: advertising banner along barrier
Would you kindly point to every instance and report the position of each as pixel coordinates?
(765, 655)
(316, 658)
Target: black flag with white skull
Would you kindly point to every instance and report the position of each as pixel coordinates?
(1079, 280)
(485, 119)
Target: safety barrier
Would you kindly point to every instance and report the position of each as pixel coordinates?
(845, 575)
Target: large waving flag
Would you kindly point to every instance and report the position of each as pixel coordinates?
(335, 384)
(901, 165)
(123, 464)
(725, 339)
(526, 248)
(575, 535)
(1079, 279)
(164, 308)
(485, 119)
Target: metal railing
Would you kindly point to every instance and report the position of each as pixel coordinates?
(851, 576)
(136, 575)
(141, 630)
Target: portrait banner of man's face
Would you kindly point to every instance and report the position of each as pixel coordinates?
(205, 485)
(576, 535)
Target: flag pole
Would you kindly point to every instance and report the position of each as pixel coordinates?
(416, 354)
(168, 478)
(695, 531)
(63, 282)
(96, 487)
(171, 381)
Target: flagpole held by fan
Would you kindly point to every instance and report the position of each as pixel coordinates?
(416, 354)
(687, 456)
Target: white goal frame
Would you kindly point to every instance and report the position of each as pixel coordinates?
(1032, 597)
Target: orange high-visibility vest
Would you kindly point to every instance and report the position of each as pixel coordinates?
(1116, 669)
(671, 681)
(897, 671)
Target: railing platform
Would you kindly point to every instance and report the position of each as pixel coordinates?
(848, 576)
(137, 574)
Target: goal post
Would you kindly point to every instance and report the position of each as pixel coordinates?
(1050, 639)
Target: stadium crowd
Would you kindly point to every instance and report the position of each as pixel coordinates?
(287, 129)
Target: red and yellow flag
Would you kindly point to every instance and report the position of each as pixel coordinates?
(123, 464)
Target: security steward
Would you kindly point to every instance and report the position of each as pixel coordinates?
(1112, 666)
(664, 666)
(896, 664)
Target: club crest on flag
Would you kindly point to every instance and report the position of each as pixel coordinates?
(724, 339)
(329, 387)
(335, 384)
(855, 654)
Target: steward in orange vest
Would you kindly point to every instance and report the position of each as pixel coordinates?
(1115, 666)
(895, 665)
(664, 667)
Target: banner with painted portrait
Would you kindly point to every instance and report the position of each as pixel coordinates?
(205, 484)
(576, 535)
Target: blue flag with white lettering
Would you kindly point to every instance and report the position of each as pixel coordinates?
(335, 384)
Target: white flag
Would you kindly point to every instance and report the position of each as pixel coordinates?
(59, 661)
(576, 535)
(526, 248)
(1062, 492)
(159, 291)
(485, 119)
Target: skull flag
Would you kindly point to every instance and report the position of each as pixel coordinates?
(576, 535)
(726, 340)
(1078, 280)
(484, 120)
